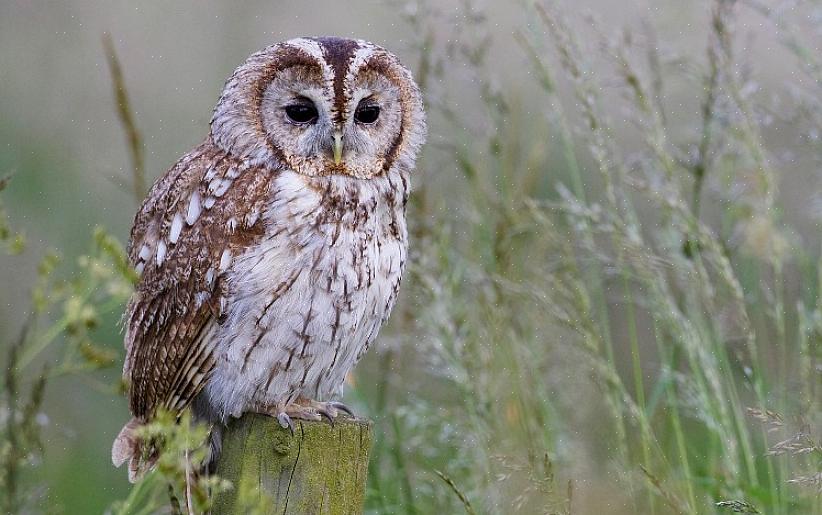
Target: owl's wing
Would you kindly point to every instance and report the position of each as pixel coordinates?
(198, 215)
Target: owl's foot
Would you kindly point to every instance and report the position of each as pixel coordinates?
(331, 409)
(306, 409)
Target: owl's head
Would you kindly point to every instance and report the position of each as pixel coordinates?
(322, 106)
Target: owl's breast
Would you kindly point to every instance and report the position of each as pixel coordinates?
(307, 300)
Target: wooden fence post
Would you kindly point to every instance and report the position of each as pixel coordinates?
(322, 469)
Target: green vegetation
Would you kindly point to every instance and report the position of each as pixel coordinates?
(629, 314)
(612, 305)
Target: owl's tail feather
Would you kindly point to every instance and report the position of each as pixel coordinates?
(129, 447)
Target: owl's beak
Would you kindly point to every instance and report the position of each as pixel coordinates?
(338, 147)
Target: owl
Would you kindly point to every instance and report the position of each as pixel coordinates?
(271, 254)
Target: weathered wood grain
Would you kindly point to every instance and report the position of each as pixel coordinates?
(322, 469)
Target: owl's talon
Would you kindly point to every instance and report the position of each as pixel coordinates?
(327, 415)
(285, 422)
(342, 407)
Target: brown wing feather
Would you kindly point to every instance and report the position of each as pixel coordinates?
(175, 310)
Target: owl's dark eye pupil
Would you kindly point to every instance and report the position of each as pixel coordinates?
(301, 113)
(367, 113)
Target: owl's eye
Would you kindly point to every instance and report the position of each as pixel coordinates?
(301, 113)
(367, 113)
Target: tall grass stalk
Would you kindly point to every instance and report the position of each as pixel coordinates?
(611, 283)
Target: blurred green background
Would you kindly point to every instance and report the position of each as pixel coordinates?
(62, 142)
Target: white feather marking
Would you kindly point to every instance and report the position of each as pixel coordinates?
(231, 224)
(225, 260)
(309, 46)
(251, 218)
(161, 252)
(139, 267)
(233, 172)
(312, 48)
(176, 228)
(208, 203)
(193, 208)
(361, 55)
(218, 187)
(210, 174)
(210, 276)
(145, 253)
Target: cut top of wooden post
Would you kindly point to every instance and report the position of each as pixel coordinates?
(322, 469)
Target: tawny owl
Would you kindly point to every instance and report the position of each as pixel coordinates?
(271, 254)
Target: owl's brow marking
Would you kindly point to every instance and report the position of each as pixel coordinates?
(338, 54)
(307, 45)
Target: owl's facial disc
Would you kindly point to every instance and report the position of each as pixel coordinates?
(322, 106)
(320, 130)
